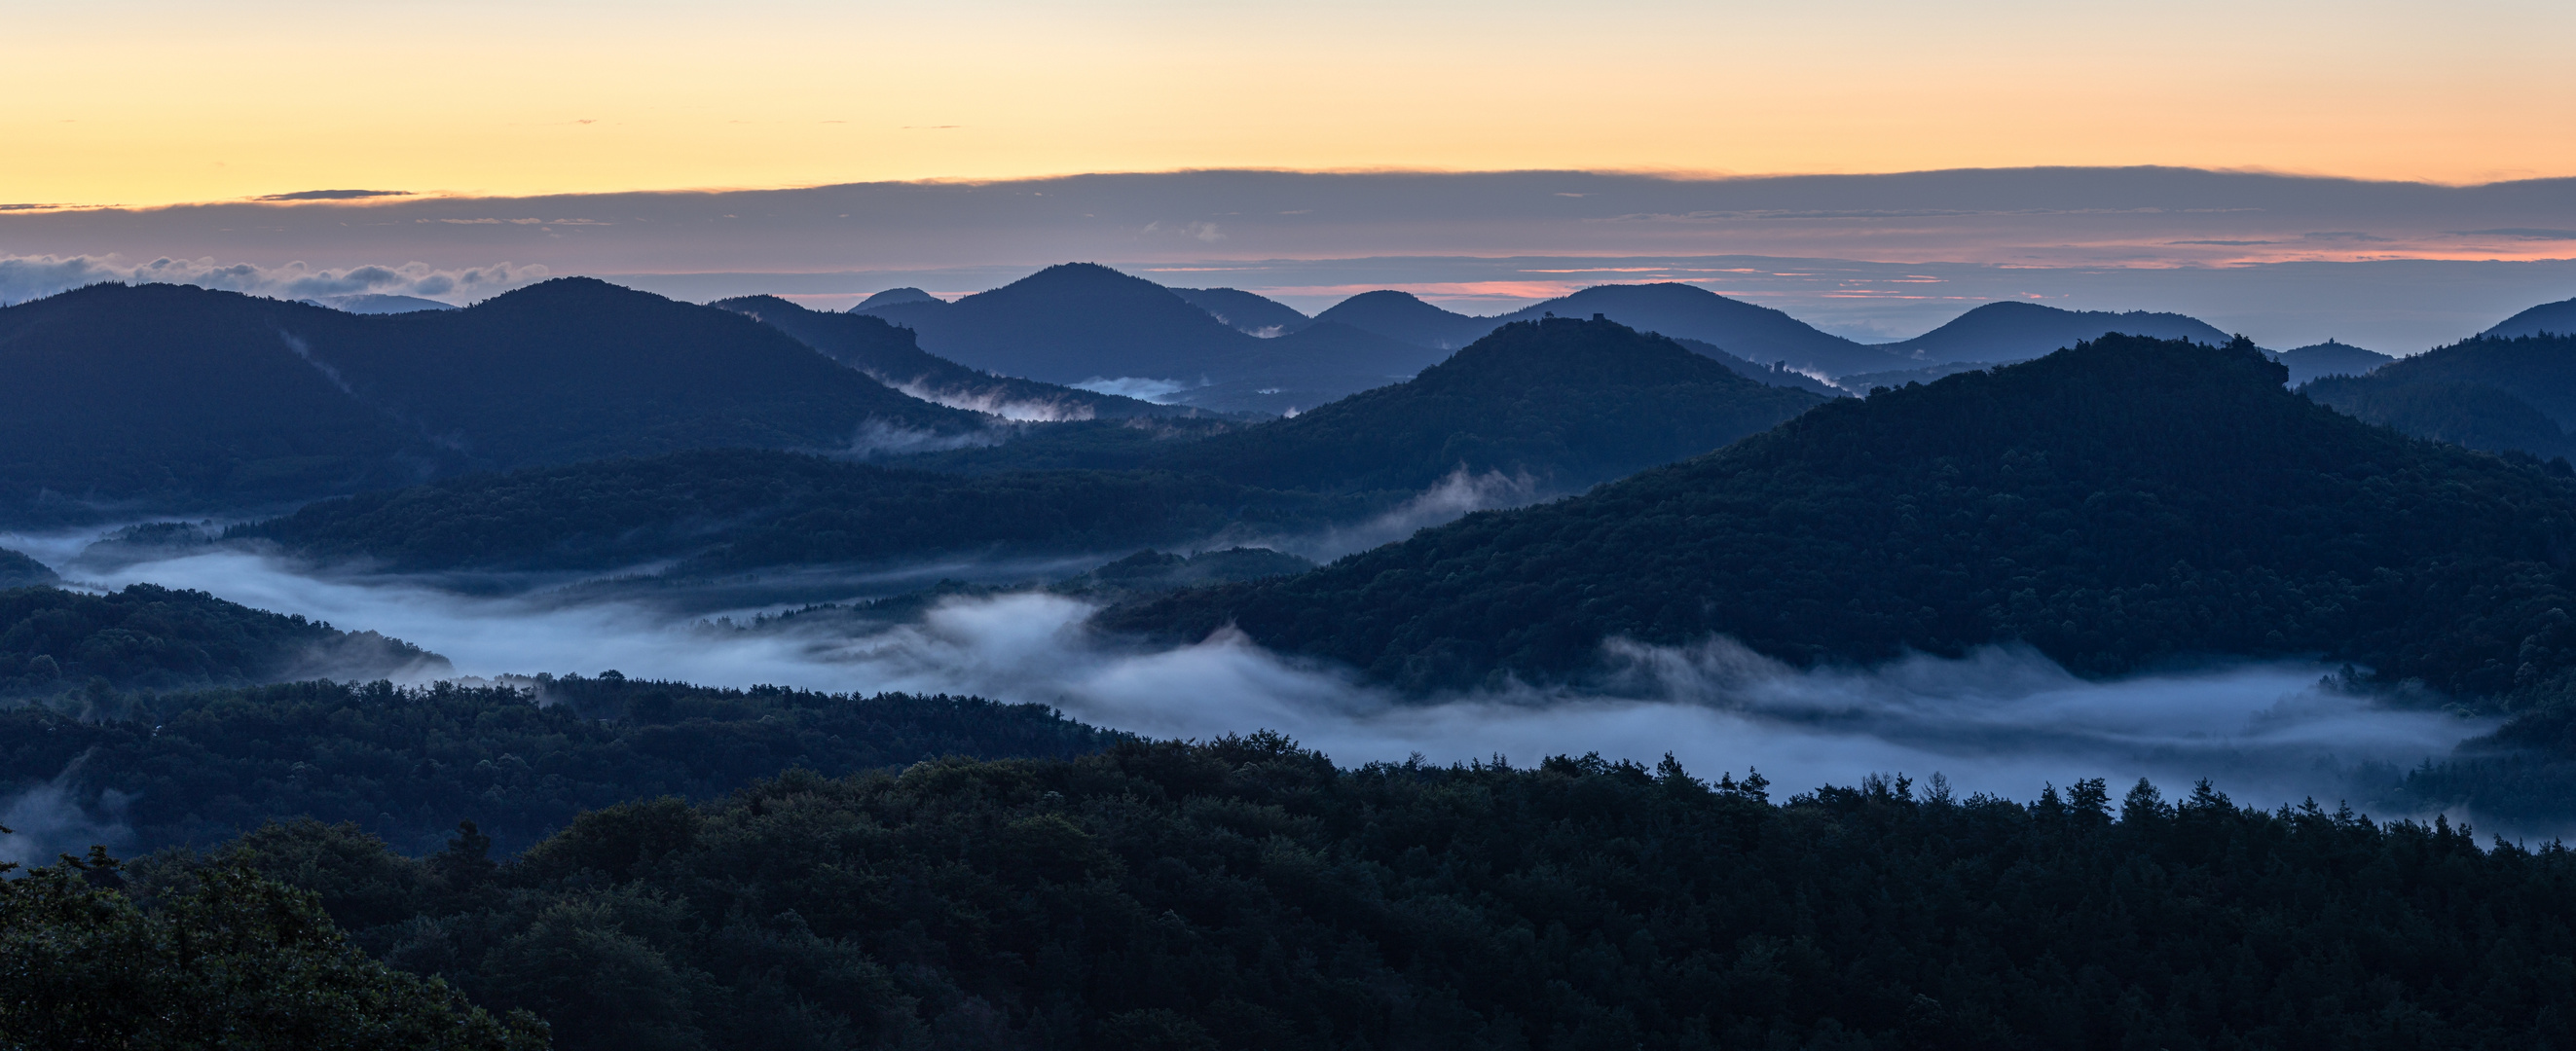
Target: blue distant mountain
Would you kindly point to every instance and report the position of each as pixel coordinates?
(2557, 318)
(892, 296)
(379, 303)
(2011, 331)
(1247, 313)
(2329, 358)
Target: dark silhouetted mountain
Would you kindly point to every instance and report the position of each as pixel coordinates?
(19, 571)
(2471, 414)
(149, 638)
(1774, 375)
(1568, 403)
(1561, 403)
(1245, 893)
(377, 303)
(2539, 370)
(2557, 319)
(165, 397)
(2120, 504)
(1247, 313)
(723, 510)
(1074, 323)
(406, 765)
(2011, 331)
(2329, 359)
(1865, 382)
(1401, 316)
(1757, 334)
(1322, 362)
(891, 356)
(892, 296)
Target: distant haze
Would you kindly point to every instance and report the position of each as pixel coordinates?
(2290, 261)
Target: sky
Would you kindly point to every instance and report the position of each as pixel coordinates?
(2394, 175)
(142, 102)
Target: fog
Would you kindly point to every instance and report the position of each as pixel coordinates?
(2001, 720)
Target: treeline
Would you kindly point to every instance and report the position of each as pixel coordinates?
(2121, 504)
(148, 637)
(407, 764)
(1248, 894)
(722, 510)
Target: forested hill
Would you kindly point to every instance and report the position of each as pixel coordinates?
(1244, 894)
(2019, 331)
(1567, 402)
(55, 642)
(2486, 392)
(1564, 403)
(165, 397)
(893, 356)
(721, 510)
(2121, 503)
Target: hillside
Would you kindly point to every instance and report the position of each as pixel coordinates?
(1246, 312)
(149, 638)
(1569, 403)
(1402, 316)
(2469, 414)
(1073, 323)
(1564, 403)
(2557, 319)
(1243, 893)
(2010, 331)
(518, 760)
(721, 510)
(19, 571)
(2118, 505)
(892, 356)
(2540, 371)
(1757, 334)
(171, 398)
(2318, 360)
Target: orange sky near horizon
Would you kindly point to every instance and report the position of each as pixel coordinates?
(144, 102)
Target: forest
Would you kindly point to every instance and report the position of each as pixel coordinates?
(1245, 893)
(151, 638)
(2126, 503)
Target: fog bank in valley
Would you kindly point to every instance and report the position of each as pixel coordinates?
(2000, 720)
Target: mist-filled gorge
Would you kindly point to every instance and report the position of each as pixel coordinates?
(1542, 680)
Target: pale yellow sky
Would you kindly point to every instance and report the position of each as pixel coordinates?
(143, 102)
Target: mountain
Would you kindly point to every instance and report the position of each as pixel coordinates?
(2469, 414)
(1321, 362)
(891, 356)
(1245, 312)
(1558, 403)
(375, 303)
(1401, 316)
(2120, 504)
(2329, 359)
(726, 510)
(2557, 319)
(2539, 370)
(1756, 334)
(149, 638)
(1566, 403)
(1074, 323)
(892, 296)
(1774, 375)
(125, 399)
(19, 571)
(2011, 331)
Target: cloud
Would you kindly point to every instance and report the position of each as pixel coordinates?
(29, 277)
(332, 195)
(2520, 233)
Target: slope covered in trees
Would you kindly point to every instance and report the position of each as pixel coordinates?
(2012, 331)
(408, 764)
(2123, 503)
(892, 356)
(164, 397)
(730, 509)
(145, 637)
(2557, 318)
(1244, 894)
(2330, 358)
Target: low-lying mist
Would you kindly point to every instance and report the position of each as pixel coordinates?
(2001, 720)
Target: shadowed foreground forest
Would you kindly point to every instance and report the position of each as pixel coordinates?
(1245, 893)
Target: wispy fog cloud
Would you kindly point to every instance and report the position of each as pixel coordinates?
(29, 277)
(52, 818)
(2000, 720)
